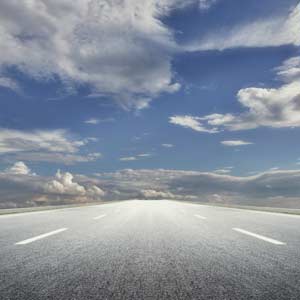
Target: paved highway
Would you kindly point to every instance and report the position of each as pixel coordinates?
(149, 250)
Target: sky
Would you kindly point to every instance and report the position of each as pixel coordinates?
(194, 99)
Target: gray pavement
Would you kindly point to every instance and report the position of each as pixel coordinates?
(149, 250)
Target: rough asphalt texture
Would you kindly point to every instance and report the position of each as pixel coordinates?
(149, 250)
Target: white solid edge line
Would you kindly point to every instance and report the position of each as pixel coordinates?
(200, 217)
(261, 237)
(41, 236)
(99, 217)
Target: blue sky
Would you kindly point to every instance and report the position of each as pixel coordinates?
(100, 86)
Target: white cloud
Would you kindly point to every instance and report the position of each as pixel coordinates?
(191, 122)
(128, 158)
(206, 4)
(56, 157)
(92, 121)
(46, 140)
(290, 69)
(263, 107)
(222, 171)
(20, 187)
(136, 157)
(43, 145)
(271, 188)
(10, 84)
(63, 184)
(273, 31)
(273, 107)
(235, 143)
(274, 168)
(95, 121)
(18, 168)
(153, 194)
(120, 49)
(167, 145)
(144, 155)
(204, 186)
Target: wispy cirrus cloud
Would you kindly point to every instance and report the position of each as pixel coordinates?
(55, 157)
(167, 145)
(268, 32)
(92, 121)
(95, 121)
(128, 158)
(206, 4)
(144, 155)
(235, 143)
(224, 170)
(9, 83)
(191, 122)
(136, 157)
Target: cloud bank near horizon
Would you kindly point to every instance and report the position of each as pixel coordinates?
(20, 187)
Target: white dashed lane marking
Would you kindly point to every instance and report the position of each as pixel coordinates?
(258, 236)
(99, 217)
(200, 217)
(42, 236)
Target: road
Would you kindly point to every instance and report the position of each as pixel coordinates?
(149, 250)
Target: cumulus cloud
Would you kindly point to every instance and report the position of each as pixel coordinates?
(153, 194)
(271, 32)
(20, 187)
(263, 107)
(63, 184)
(234, 143)
(119, 49)
(18, 168)
(43, 145)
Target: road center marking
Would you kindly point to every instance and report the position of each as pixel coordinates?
(41, 236)
(200, 217)
(99, 217)
(258, 236)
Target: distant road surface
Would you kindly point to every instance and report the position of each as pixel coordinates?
(149, 250)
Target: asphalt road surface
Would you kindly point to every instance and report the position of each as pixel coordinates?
(149, 250)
